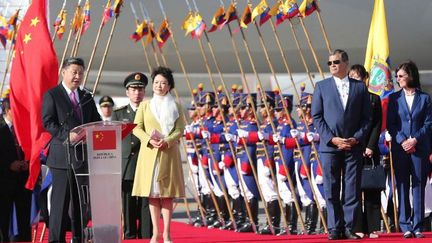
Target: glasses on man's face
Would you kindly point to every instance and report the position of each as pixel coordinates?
(278, 109)
(336, 62)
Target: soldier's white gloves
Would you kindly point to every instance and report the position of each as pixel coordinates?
(205, 134)
(188, 128)
(229, 137)
(312, 136)
(221, 165)
(294, 133)
(263, 136)
(242, 133)
(277, 137)
(387, 136)
(194, 169)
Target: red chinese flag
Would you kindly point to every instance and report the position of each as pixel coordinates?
(34, 71)
(104, 140)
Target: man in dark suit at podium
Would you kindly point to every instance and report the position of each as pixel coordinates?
(135, 84)
(13, 176)
(64, 108)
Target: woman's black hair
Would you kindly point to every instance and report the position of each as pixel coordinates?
(361, 70)
(411, 69)
(166, 73)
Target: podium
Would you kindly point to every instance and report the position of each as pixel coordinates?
(96, 163)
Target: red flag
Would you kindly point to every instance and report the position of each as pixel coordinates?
(30, 78)
(104, 140)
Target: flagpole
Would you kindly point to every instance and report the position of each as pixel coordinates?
(284, 58)
(323, 28)
(69, 38)
(95, 46)
(393, 183)
(141, 40)
(384, 217)
(299, 48)
(99, 74)
(78, 39)
(8, 61)
(77, 34)
(151, 25)
(311, 47)
(290, 182)
(57, 27)
(286, 110)
(11, 50)
(155, 52)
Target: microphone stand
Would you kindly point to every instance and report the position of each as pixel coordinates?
(70, 170)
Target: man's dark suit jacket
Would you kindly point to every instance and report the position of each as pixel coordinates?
(331, 120)
(12, 186)
(8, 154)
(56, 111)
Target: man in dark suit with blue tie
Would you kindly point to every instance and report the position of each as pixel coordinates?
(341, 112)
(64, 107)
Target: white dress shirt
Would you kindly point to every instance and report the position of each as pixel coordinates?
(342, 86)
(409, 99)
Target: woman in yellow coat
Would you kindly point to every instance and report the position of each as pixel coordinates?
(159, 173)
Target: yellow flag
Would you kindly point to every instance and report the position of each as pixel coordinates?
(259, 9)
(377, 58)
(187, 20)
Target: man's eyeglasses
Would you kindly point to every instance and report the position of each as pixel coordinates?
(336, 62)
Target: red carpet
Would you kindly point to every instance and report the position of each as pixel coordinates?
(182, 232)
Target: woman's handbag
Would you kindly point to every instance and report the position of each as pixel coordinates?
(373, 176)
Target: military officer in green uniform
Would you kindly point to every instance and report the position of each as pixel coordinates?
(133, 208)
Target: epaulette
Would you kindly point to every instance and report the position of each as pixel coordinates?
(120, 108)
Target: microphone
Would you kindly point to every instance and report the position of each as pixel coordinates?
(87, 92)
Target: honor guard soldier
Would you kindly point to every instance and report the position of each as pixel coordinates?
(244, 164)
(230, 170)
(133, 208)
(283, 135)
(106, 104)
(204, 105)
(305, 128)
(264, 163)
(218, 147)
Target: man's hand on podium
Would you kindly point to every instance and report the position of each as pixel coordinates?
(73, 137)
